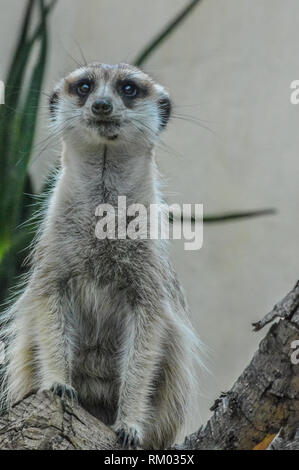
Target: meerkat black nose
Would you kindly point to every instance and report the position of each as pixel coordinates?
(102, 107)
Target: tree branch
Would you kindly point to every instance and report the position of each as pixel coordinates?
(265, 398)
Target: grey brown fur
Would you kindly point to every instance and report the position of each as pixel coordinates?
(105, 320)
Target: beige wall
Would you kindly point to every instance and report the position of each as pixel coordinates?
(231, 65)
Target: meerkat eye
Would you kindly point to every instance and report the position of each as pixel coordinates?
(84, 88)
(129, 89)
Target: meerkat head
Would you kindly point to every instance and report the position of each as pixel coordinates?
(110, 104)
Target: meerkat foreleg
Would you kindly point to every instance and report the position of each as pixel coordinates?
(140, 362)
(37, 355)
(19, 377)
(53, 349)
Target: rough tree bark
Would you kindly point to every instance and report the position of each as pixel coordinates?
(260, 411)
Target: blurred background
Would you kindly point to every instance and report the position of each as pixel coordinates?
(233, 145)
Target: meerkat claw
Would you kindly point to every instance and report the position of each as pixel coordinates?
(128, 439)
(136, 442)
(64, 391)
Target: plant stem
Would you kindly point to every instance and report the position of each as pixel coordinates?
(152, 46)
(228, 217)
(39, 29)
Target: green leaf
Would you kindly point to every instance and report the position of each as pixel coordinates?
(9, 119)
(12, 94)
(17, 129)
(27, 127)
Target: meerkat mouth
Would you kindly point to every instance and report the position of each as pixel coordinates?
(108, 128)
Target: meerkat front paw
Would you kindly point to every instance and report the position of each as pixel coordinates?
(64, 391)
(129, 437)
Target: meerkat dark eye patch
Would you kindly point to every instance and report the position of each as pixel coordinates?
(81, 88)
(165, 108)
(53, 102)
(129, 91)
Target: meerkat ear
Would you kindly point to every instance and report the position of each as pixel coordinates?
(53, 101)
(165, 108)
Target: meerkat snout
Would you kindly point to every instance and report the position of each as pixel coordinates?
(102, 107)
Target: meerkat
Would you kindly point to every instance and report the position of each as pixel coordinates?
(105, 320)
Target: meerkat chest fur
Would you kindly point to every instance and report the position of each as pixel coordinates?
(97, 274)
